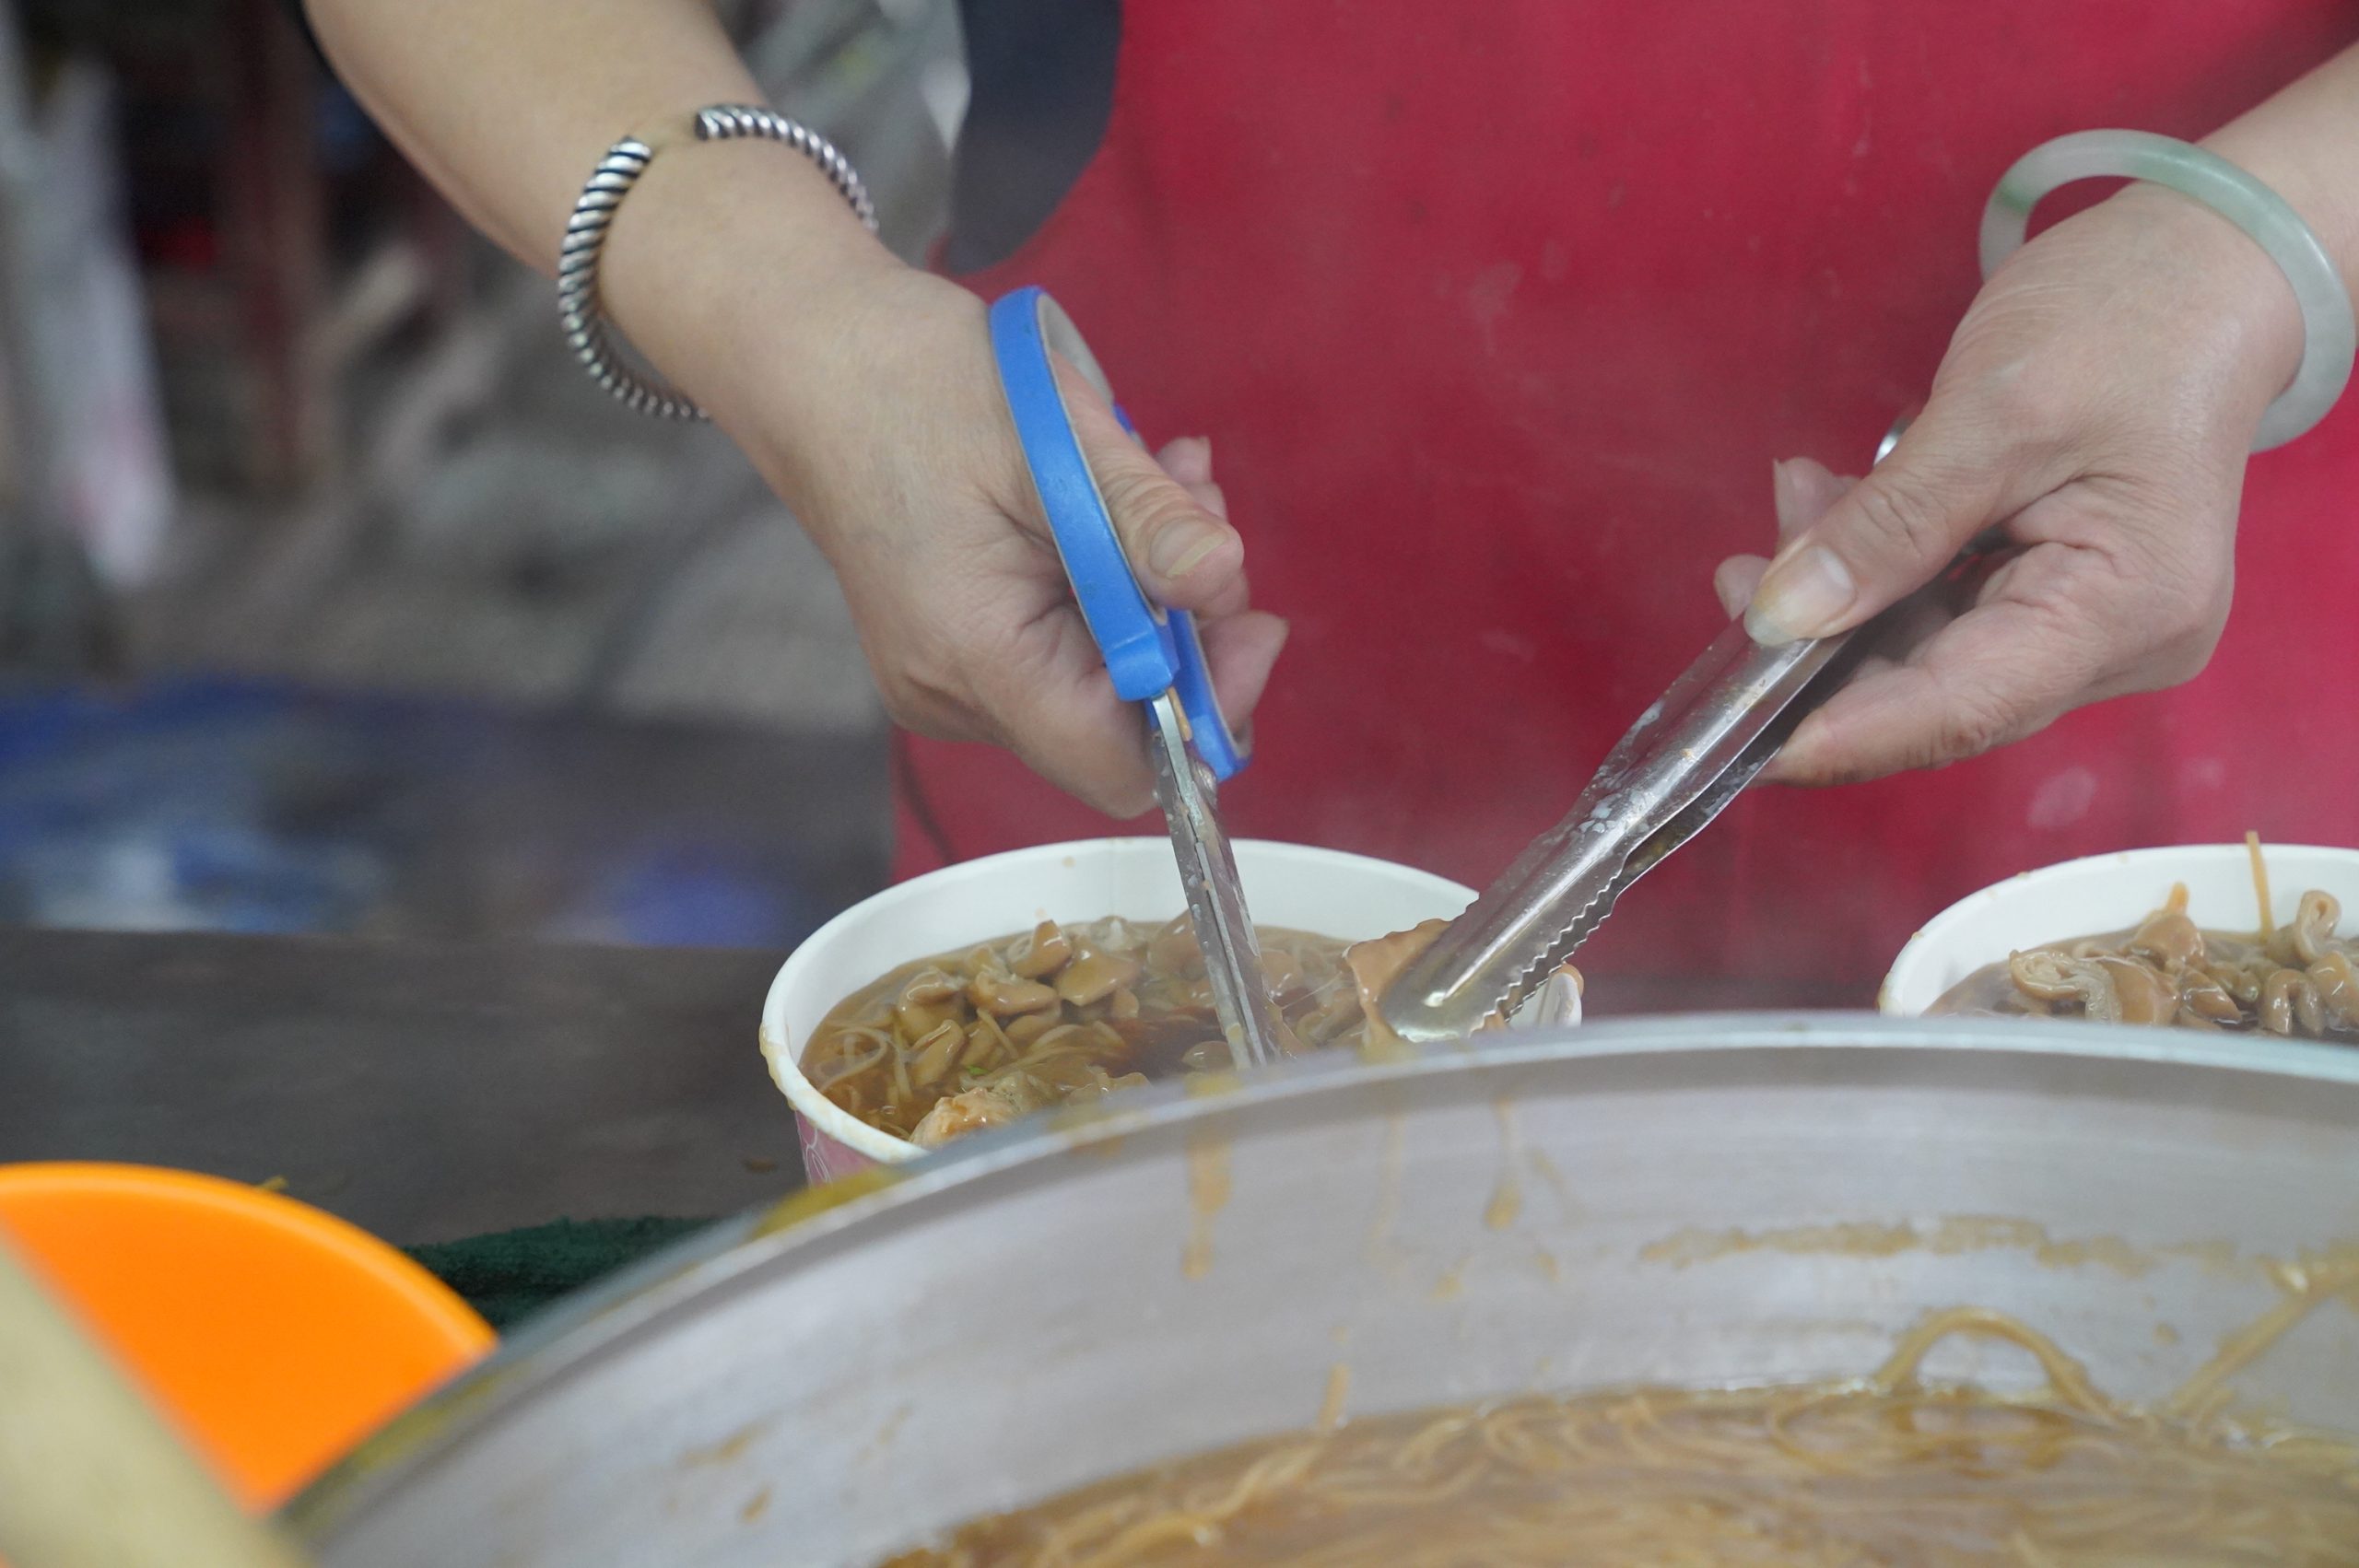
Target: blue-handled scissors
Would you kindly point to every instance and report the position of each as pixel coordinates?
(1153, 654)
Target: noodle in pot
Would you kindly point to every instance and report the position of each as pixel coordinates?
(1882, 1470)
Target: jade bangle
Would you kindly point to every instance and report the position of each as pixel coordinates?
(2329, 334)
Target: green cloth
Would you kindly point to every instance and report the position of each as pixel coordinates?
(513, 1274)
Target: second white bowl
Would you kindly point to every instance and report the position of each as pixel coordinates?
(2108, 893)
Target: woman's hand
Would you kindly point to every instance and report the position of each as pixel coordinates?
(904, 466)
(864, 391)
(2096, 405)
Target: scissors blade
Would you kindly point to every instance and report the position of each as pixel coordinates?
(1215, 899)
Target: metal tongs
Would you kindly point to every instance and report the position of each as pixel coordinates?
(1152, 655)
(1679, 766)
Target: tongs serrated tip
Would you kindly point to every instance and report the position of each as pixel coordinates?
(1674, 773)
(1677, 768)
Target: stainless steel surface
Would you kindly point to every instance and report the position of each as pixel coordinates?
(1892, 436)
(1662, 1201)
(1215, 899)
(1679, 766)
(424, 1091)
(1691, 753)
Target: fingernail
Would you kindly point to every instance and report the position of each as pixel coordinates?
(1801, 597)
(1181, 548)
(1786, 492)
(1726, 590)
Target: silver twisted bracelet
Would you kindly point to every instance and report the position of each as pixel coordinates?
(602, 197)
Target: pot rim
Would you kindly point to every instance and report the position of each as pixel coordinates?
(1795, 1047)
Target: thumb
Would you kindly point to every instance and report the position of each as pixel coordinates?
(1186, 556)
(1888, 535)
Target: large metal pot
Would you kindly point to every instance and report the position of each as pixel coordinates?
(1698, 1200)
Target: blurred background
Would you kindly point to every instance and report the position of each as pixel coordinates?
(334, 597)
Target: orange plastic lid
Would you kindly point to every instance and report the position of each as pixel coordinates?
(275, 1335)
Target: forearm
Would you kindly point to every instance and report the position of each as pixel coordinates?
(507, 105)
(2303, 144)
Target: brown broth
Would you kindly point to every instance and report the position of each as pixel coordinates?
(1055, 1015)
(1783, 1479)
(2298, 980)
(1882, 1470)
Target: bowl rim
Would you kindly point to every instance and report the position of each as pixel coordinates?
(832, 1121)
(436, 1310)
(1931, 937)
(264, 1448)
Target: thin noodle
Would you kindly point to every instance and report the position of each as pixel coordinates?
(2310, 1289)
(2268, 926)
(1885, 1471)
(1132, 1002)
(860, 1064)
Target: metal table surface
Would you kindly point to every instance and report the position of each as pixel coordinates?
(424, 1091)
(428, 1090)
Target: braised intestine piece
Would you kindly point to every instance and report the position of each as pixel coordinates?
(1016, 1096)
(2337, 980)
(1377, 962)
(2105, 988)
(1059, 1014)
(2297, 979)
(2310, 936)
(1054, 1015)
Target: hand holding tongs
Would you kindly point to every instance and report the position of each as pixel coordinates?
(1685, 759)
(1152, 653)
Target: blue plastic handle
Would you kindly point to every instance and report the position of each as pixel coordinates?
(1148, 649)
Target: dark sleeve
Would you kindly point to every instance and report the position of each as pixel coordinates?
(1041, 89)
(297, 15)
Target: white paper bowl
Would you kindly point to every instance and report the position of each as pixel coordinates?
(1324, 891)
(2107, 893)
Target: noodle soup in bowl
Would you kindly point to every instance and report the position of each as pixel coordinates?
(2116, 892)
(1290, 887)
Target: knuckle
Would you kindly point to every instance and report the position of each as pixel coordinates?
(2185, 636)
(2146, 600)
(2188, 610)
(2180, 663)
(910, 703)
(1972, 722)
(1144, 503)
(925, 689)
(1970, 731)
(1900, 515)
(905, 704)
